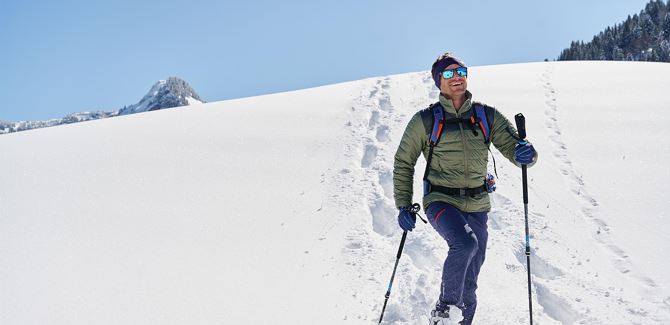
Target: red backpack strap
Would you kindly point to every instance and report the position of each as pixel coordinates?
(438, 124)
(431, 117)
(482, 120)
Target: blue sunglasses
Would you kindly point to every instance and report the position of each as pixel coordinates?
(462, 71)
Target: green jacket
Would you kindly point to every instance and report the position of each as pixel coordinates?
(460, 157)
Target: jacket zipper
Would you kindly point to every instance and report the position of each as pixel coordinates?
(465, 159)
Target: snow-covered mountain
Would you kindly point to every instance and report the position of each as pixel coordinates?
(279, 208)
(169, 93)
(173, 92)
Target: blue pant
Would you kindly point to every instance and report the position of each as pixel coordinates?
(466, 235)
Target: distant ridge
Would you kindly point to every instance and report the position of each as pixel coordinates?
(170, 93)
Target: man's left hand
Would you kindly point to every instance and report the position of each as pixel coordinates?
(524, 153)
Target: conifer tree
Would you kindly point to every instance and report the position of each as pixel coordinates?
(641, 37)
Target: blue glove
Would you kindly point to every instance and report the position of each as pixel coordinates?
(524, 153)
(406, 219)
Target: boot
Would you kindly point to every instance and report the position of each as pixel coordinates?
(439, 317)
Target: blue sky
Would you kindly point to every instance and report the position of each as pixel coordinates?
(60, 57)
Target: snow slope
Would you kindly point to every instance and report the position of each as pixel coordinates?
(280, 208)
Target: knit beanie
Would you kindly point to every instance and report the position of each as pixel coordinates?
(441, 63)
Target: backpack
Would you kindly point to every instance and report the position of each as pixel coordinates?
(434, 123)
(482, 118)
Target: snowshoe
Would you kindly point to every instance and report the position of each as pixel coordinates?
(438, 317)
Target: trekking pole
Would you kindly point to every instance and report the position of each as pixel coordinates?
(388, 292)
(521, 127)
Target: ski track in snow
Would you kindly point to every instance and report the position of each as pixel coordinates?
(621, 260)
(554, 306)
(589, 203)
(376, 119)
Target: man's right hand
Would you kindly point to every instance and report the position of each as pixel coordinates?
(406, 219)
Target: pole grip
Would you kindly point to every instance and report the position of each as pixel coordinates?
(520, 125)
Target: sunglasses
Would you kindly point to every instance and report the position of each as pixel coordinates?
(462, 71)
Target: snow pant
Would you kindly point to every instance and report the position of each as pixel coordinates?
(466, 234)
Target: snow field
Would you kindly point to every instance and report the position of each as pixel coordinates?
(282, 206)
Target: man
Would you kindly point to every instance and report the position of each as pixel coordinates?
(456, 197)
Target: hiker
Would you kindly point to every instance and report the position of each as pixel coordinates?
(455, 198)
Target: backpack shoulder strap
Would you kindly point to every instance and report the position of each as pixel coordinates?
(433, 121)
(483, 117)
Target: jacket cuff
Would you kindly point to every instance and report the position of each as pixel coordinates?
(403, 205)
